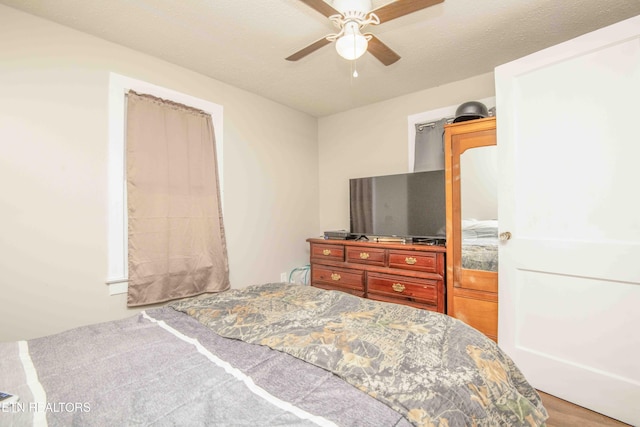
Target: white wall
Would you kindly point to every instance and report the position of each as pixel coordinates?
(53, 174)
(372, 140)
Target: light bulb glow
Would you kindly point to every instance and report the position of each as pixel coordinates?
(352, 44)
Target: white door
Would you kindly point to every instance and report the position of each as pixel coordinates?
(568, 122)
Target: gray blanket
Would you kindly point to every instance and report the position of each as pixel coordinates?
(164, 368)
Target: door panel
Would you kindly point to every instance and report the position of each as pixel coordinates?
(575, 333)
(569, 278)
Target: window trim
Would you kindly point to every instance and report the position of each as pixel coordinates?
(119, 85)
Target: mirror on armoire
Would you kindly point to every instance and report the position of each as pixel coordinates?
(472, 223)
(479, 208)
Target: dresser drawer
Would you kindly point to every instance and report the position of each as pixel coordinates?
(405, 301)
(419, 261)
(337, 277)
(358, 293)
(321, 251)
(420, 290)
(370, 256)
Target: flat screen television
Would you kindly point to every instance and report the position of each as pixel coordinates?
(403, 205)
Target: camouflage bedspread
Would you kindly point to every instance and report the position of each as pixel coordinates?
(480, 257)
(431, 368)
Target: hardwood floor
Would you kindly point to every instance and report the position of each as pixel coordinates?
(565, 414)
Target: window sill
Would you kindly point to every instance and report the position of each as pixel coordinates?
(117, 287)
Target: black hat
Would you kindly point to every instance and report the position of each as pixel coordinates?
(471, 110)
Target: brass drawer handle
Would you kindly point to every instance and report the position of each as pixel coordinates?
(410, 260)
(335, 276)
(398, 287)
(364, 255)
(326, 252)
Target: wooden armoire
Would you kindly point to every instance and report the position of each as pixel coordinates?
(471, 195)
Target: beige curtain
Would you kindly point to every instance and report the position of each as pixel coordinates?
(176, 236)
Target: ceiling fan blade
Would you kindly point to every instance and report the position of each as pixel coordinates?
(309, 49)
(400, 8)
(381, 51)
(321, 6)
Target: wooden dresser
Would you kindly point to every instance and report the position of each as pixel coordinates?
(392, 272)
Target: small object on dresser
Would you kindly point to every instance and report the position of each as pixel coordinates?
(391, 239)
(336, 235)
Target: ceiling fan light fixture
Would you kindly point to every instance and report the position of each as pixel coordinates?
(352, 44)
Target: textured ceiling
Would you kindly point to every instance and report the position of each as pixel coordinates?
(244, 42)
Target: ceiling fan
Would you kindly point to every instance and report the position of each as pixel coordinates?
(351, 16)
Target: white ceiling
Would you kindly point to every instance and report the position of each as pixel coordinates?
(244, 42)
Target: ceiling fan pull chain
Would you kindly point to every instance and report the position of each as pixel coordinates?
(354, 69)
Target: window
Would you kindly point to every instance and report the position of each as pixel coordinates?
(117, 273)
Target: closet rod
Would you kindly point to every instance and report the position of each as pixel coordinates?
(421, 126)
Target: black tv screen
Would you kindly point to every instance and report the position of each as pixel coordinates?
(404, 205)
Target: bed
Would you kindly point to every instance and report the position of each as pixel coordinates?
(269, 355)
(480, 244)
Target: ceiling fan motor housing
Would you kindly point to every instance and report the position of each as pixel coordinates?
(359, 7)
